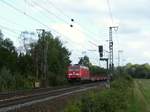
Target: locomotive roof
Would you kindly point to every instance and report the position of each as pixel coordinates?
(80, 66)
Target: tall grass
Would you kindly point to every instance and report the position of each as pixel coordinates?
(115, 99)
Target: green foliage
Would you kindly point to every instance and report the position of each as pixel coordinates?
(138, 71)
(6, 80)
(20, 70)
(57, 59)
(25, 64)
(8, 55)
(9, 82)
(115, 99)
(85, 61)
(96, 70)
(74, 107)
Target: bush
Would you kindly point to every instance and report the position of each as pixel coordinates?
(114, 99)
(16, 81)
(6, 80)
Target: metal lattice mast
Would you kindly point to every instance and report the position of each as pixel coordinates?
(110, 49)
(111, 63)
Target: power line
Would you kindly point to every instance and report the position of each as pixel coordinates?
(10, 21)
(50, 12)
(9, 29)
(53, 5)
(88, 32)
(111, 17)
(57, 17)
(22, 12)
(84, 32)
(79, 44)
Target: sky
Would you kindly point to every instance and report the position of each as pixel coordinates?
(92, 19)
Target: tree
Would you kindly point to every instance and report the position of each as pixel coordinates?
(138, 71)
(96, 70)
(85, 61)
(50, 59)
(1, 37)
(6, 80)
(8, 54)
(46, 60)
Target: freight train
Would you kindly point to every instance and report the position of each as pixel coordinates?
(82, 73)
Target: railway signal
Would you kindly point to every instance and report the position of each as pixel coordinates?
(100, 48)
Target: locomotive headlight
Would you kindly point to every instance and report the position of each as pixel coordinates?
(77, 74)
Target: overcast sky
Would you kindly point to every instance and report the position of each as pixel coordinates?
(91, 25)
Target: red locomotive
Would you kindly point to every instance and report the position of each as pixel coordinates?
(82, 73)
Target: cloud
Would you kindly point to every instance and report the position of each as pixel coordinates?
(135, 9)
(136, 45)
(146, 54)
(132, 17)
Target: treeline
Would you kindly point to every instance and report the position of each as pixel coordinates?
(39, 63)
(137, 70)
(44, 63)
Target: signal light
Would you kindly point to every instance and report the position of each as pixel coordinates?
(101, 54)
(72, 20)
(100, 48)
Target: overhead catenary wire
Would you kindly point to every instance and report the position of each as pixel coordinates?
(112, 20)
(85, 30)
(60, 10)
(33, 18)
(111, 16)
(10, 29)
(22, 12)
(80, 30)
(60, 19)
(117, 49)
(12, 22)
(79, 44)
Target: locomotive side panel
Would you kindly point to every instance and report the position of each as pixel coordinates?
(84, 73)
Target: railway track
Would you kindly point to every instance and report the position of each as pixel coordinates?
(11, 94)
(22, 100)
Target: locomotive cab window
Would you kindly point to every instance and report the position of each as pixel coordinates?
(74, 69)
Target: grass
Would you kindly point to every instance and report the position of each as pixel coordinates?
(144, 86)
(124, 96)
(140, 102)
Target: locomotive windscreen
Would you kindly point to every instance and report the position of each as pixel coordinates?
(73, 68)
